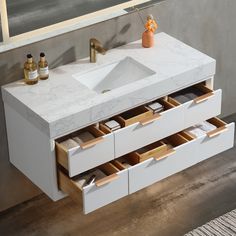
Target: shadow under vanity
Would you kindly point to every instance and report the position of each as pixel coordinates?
(132, 150)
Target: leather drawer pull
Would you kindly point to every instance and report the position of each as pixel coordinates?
(217, 131)
(91, 143)
(203, 98)
(165, 155)
(149, 120)
(106, 180)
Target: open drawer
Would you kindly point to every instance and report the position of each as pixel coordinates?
(84, 150)
(100, 193)
(178, 154)
(148, 130)
(200, 103)
(215, 141)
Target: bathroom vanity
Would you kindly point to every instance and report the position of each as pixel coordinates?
(148, 147)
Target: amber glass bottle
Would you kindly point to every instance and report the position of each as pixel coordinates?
(43, 67)
(30, 71)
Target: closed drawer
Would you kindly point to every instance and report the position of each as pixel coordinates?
(200, 103)
(148, 130)
(179, 154)
(104, 191)
(215, 141)
(93, 148)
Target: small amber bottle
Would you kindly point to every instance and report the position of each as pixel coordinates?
(43, 67)
(30, 71)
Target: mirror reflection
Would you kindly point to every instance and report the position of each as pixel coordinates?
(28, 15)
(0, 29)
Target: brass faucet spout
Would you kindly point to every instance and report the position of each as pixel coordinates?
(94, 47)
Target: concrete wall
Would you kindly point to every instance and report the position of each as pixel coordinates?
(207, 25)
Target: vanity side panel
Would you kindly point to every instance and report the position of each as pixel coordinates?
(32, 152)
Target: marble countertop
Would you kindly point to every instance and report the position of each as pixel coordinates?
(61, 104)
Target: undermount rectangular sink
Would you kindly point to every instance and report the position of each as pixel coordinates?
(114, 75)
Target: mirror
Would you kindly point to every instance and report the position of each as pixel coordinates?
(0, 29)
(28, 21)
(28, 15)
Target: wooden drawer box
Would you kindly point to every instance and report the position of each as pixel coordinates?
(216, 141)
(100, 193)
(199, 102)
(86, 155)
(174, 159)
(137, 170)
(187, 150)
(149, 130)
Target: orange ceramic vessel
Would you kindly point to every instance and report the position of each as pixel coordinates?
(148, 39)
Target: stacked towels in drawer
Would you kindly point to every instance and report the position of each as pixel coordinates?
(187, 94)
(75, 141)
(201, 129)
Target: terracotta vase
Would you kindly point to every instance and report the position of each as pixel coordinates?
(148, 39)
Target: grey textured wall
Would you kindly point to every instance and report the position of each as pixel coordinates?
(207, 25)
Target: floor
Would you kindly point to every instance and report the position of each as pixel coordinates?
(171, 207)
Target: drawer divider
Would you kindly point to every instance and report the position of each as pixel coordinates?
(203, 98)
(217, 131)
(91, 143)
(107, 180)
(165, 155)
(151, 119)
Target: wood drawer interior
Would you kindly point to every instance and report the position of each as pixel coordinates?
(133, 116)
(74, 186)
(144, 115)
(218, 127)
(198, 93)
(158, 150)
(148, 151)
(84, 139)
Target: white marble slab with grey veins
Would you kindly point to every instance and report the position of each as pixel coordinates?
(63, 104)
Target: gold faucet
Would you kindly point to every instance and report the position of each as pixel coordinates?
(95, 46)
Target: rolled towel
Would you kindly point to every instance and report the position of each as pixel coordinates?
(69, 143)
(84, 137)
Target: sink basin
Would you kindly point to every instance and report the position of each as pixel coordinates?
(114, 75)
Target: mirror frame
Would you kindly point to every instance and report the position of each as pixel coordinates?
(58, 28)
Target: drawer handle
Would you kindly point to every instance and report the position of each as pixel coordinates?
(149, 120)
(203, 98)
(106, 180)
(165, 155)
(217, 131)
(91, 143)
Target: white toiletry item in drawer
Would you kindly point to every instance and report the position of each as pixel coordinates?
(92, 149)
(217, 140)
(150, 129)
(100, 193)
(167, 162)
(200, 103)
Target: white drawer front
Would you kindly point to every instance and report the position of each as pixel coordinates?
(151, 170)
(209, 147)
(135, 136)
(198, 112)
(95, 197)
(81, 160)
